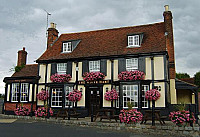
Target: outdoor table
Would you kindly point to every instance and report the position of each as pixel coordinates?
(106, 114)
(148, 116)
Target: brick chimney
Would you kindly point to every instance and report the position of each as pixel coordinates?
(52, 35)
(169, 40)
(22, 54)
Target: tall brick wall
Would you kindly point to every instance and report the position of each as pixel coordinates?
(170, 42)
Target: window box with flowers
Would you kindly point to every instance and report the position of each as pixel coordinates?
(93, 76)
(131, 75)
(60, 78)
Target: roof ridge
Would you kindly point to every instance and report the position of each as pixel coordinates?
(111, 28)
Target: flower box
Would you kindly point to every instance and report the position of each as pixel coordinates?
(60, 78)
(131, 75)
(93, 76)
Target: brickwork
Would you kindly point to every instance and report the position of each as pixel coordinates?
(170, 42)
(52, 36)
(11, 106)
(22, 54)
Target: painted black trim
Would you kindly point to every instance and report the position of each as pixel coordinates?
(46, 71)
(6, 93)
(165, 77)
(33, 78)
(85, 66)
(77, 63)
(103, 66)
(152, 71)
(112, 73)
(103, 57)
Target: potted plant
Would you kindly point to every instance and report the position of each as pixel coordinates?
(111, 95)
(75, 96)
(130, 116)
(22, 110)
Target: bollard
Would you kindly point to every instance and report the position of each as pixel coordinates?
(92, 113)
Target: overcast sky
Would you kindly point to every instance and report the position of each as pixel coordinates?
(23, 24)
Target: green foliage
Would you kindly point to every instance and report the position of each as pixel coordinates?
(2, 95)
(180, 107)
(182, 75)
(197, 79)
(18, 68)
(130, 105)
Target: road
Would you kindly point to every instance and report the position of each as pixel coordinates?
(21, 128)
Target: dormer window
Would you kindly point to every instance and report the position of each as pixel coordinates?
(134, 41)
(67, 47)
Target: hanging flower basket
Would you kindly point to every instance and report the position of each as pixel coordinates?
(22, 111)
(152, 94)
(131, 75)
(130, 116)
(60, 78)
(93, 76)
(43, 112)
(111, 95)
(180, 117)
(75, 96)
(43, 95)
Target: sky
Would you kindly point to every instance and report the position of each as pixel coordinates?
(23, 24)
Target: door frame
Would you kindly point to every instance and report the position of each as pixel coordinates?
(87, 94)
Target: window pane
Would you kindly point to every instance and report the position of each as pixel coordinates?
(145, 88)
(56, 99)
(131, 64)
(15, 92)
(130, 94)
(94, 66)
(24, 92)
(61, 68)
(68, 89)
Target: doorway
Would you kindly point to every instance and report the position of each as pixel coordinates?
(93, 98)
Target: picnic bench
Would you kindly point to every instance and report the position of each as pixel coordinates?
(106, 114)
(66, 112)
(148, 116)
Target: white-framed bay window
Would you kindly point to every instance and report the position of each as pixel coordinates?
(130, 94)
(68, 89)
(56, 97)
(19, 92)
(131, 64)
(144, 104)
(94, 66)
(61, 68)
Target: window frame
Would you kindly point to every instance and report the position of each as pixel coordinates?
(130, 66)
(22, 92)
(71, 88)
(57, 97)
(129, 96)
(67, 47)
(94, 66)
(133, 41)
(63, 66)
(143, 100)
(18, 94)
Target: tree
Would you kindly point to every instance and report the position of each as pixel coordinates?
(197, 79)
(182, 75)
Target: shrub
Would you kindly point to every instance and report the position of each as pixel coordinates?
(22, 111)
(43, 112)
(179, 117)
(130, 116)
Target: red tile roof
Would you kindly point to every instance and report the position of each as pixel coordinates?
(188, 80)
(28, 70)
(109, 42)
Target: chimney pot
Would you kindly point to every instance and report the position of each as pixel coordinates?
(53, 25)
(22, 54)
(166, 7)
